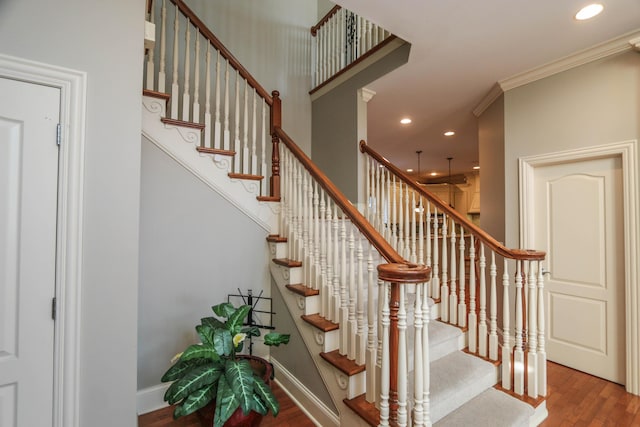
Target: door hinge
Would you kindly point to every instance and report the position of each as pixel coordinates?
(54, 307)
(59, 134)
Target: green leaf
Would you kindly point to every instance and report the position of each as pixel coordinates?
(276, 339)
(224, 310)
(259, 406)
(204, 351)
(198, 377)
(239, 375)
(265, 393)
(226, 403)
(251, 331)
(236, 320)
(206, 334)
(223, 341)
(178, 370)
(212, 322)
(196, 400)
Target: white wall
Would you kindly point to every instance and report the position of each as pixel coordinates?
(103, 39)
(272, 40)
(597, 103)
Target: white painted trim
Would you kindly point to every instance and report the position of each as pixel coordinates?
(73, 89)
(151, 398)
(628, 152)
(620, 44)
(308, 403)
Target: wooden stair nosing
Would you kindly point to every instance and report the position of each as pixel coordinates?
(347, 366)
(155, 94)
(207, 150)
(268, 198)
(302, 290)
(286, 262)
(366, 410)
(320, 322)
(274, 238)
(245, 176)
(176, 122)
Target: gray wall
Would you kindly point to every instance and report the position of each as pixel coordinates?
(335, 124)
(195, 249)
(104, 39)
(272, 40)
(491, 150)
(594, 104)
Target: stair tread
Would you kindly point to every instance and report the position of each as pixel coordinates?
(268, 198)
(286, 262)
(320, 322)
(483, 411)
(176, 122)
(155, 94)
(367, 411)
(457, 378)
(303, 290)
(208, 150)
(245, 176)
(348, 367)
(274, 238)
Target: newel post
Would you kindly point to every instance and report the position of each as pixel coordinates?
(276, 123)
(394, 364)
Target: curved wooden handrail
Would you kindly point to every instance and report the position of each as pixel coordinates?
(333, 11)
(385, 249)
(518, 254)
(207, 34)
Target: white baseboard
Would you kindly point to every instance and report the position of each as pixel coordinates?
(315, 409)
(151, 399)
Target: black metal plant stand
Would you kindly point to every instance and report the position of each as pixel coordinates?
(257, 304)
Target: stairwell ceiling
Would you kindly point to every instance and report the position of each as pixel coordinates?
(460, 49)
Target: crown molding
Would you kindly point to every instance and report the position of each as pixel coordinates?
(619, 44)
(366, 94)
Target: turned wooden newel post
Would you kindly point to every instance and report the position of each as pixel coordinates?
(398, 275)
(276, 123)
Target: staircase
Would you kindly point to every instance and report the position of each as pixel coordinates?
(396, 339)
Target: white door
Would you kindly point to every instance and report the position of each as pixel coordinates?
(579, 223)
(29, 115)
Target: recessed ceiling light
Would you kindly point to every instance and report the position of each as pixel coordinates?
(405, 121)
(409, 170)
(449, 133)
(589, 11)
(476, 167)
(434, 173)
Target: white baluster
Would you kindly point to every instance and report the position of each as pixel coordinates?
(351, 325)
(413, 257)
(473, 319)
(444, 307)
(394, 217)
(360, 335)
(187, 73)
(418, 362)
(227, 134)
(162, 76)
(306, 261)
(518, 354)
(435, 270)
(400, 231)
(426, 383)
(174, 84)
(263, 149)
(344, 302)
(384, 359)
(300, 214)
(453, 296)
(462, 305)
(324, 304)
(316, 238)
(371, 332)
(427, 227)
(482, 325)
(336, 267)
(407, 224)
(420, 220)
(245, 130)
(493, 310)
(236, 128)
(532, 329)
(541, 353)
(381, 306)
(216, 126)
(150, 64)
(506, 331)
(207, 101)
(403, 371)
(254, 138)
(331, 314)
(196, 84)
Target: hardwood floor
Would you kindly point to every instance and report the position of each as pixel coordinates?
(576, 399)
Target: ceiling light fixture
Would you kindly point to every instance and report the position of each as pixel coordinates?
(589, 11)
(405, 121)
(476, 167)
(409, 170)
(449, 133)
(434, 173)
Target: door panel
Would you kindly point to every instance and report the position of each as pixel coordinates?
(29, 115)
(578, 222)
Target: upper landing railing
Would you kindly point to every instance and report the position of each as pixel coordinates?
(342, 39)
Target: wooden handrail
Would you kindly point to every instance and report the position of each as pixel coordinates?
(518, 254)
(385, 249)
(207, 34)
(333, 11)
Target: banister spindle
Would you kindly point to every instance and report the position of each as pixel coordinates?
(420, 221)
(336, 267)
(445, 272)
(187, 72)
(518, 354)
(385, 362)
(435, 272)
(418, 362)
(162, 77)
(351, 292)
(360, 336)
(263, 149)
(403, 371)
(316, 248)
(245, 130)
(236, 127)
(227, 133)
(482, 325)
(216, 126)
(473, 319)
(493, 310)
(344, 307)
(174, 83)
(254, 135)
(506, 330)
(541, 353)
(370, 361)
(532, 328)
(407, 224)
(150, 75)
(196, 83)
(208, 142)
(331, 314)
(414, 255)
(462, 304)
(453, 296)
(394, 217)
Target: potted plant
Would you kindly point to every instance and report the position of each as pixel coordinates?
(214, 374)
